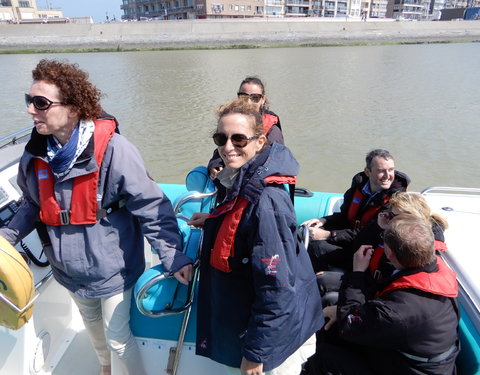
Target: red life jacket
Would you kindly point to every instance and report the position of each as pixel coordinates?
(83, 207)
(442, 282)
(223, 249)
(379, 252)
(368, 213)
(374, 264)
(268, 121)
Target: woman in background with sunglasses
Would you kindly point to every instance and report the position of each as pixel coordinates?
(409, 203)
(252, 90)
(88, 185)
(259, 305)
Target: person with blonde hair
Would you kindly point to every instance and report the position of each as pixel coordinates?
(410, 203)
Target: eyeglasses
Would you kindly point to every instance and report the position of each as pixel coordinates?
(238, 140)
(253, 97)
(39, 102)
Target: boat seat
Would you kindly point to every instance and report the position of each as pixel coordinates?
(159, 299)
(317, 205)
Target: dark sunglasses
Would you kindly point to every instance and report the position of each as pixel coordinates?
(238, 140)
(253, 97)
(39, 102)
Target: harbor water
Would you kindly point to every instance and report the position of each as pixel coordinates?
(335, 104)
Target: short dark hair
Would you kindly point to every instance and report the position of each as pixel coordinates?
(73, 86)
(411, 239)
(377, 153)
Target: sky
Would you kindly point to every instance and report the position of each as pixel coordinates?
(98, 9)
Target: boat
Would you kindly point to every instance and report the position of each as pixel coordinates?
(54, 341)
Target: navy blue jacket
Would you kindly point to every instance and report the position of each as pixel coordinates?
(269, 305)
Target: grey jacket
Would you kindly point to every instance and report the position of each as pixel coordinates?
(102, 259)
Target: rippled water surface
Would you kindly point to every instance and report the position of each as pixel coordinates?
(335, 104)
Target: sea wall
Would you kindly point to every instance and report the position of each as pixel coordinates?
(230, 33)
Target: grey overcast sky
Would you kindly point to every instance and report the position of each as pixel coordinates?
(98, 9)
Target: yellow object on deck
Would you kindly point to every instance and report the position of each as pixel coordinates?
(16, 287)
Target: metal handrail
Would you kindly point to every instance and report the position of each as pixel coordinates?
(37, 294)
(12, 137)
(305, 235)
(186, 318)
(194, 195)
(159, 313)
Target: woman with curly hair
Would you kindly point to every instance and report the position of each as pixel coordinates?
(88, 185)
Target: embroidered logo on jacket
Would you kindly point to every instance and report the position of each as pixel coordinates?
(203, 344)
(43, 174)
(271, 264)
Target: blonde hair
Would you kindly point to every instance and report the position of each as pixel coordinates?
(416, 204)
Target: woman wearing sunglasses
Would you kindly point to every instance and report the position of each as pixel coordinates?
(409, 203)
(252, 90)
(88, 185)
(259, 305)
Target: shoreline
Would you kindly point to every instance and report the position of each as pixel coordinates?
(229, 33)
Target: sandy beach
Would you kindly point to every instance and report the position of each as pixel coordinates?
(229, 33)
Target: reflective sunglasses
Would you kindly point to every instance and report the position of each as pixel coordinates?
(238, 140)
(39, 102)
(253, 97)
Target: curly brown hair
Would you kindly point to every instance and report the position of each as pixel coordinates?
(73, 85)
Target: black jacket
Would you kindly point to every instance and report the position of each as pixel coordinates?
(338, 221)
(404, 320)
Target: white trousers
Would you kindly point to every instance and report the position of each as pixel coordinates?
(292, 365)
(107, 323)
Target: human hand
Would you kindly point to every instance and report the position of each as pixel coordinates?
(361, 259)
(251, 368)
(330, 313)
(198, 219)
(184, 274)
(214, 171)
(317, 233)
(313, 223)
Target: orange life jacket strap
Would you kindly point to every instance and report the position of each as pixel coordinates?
(375, 261)
(367, 215)
(87, 185)
(280, 179)
(224, 243)
(84, 205)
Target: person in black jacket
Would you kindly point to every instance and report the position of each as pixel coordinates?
(409, 325)
(332, 236)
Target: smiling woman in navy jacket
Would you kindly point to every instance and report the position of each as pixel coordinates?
(259, 306)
